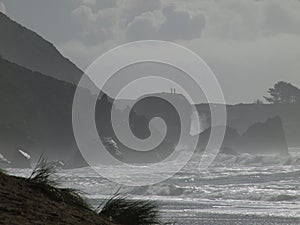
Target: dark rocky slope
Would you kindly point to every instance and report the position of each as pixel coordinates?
(38, 108)
(36, 116)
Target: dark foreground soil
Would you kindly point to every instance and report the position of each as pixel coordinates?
(21, 204)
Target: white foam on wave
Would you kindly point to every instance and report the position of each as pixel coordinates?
(256, 160)
(162, 189)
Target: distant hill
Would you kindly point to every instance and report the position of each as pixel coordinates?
(36, 114)
(37, 106)
(242, 116)
(261, 138)
(27, 49)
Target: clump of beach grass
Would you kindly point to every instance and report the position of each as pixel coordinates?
(118, 209)
(42, 178)
(122, 210)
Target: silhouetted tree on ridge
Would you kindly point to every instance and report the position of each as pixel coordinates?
(283, 92)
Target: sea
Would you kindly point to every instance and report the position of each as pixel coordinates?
(235, 189)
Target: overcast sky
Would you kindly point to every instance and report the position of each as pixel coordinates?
(248, 44)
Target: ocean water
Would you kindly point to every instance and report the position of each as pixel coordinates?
(243, 189)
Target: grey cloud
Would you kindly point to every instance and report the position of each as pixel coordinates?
(145, 26)
(149, 21)
(95, 27)
(97, 5)
(174, 24)
(84, 15)
(282, 19)
(129, 9)
(249, 20)
(234, 20)
(181, 24)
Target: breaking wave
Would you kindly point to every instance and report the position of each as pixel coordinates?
(256, 160)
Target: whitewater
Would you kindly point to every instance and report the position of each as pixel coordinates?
(235, 189)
